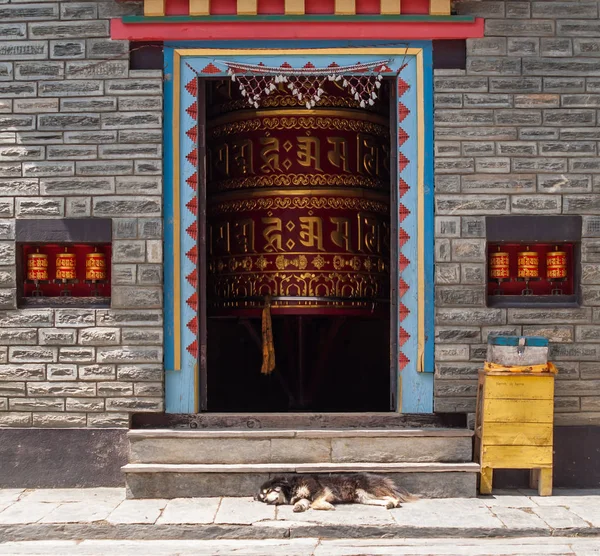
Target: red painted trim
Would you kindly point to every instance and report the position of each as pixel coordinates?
(177, 7)
(223, 7)
(275, 7)
(203, 31)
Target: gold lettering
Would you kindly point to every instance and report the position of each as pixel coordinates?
(311, 232)
(369, 233)
(272, 234)
(243, 231)
(367, 155)
(242, 156)
(341, 235)
(221, 160)
(221, 238)
(269, 154)
(338, 155)
(309, 152)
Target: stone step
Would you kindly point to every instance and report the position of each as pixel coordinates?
(432, 480)
(164, 446)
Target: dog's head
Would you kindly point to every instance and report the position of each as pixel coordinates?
(276, 491)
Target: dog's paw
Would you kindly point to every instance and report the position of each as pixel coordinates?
(301, 506)
(390, 505)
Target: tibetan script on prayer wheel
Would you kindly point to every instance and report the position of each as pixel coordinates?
(37, 266)
(298, 207)
(528, 263)
(66, 266)
(95, 266)
(556, 265)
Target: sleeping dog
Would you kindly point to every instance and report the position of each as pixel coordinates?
(320, 492)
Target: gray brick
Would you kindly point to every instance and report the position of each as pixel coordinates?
(447, 183)
(549, 316)
(518, 117)
(131, 151)
(27, 317)
(485, 100)
(508, 28)
(480, 9)
(90, 137)
(69, 29)
(6, 208)
(71, 88)
(459, 296)
(68, 49)
(78, 207)
(105, 168)
(581, 352)
(129, 251)
(77, 354)
(472, 204)
(102, 69)
(140, 372)
(37, 137)
(106, 48)
(130, 354)
(21, 153)
(559, 9)
(584, 165)
(539, 164)
(150, 228)
(36, 404)
(554, 333)
(454, 165)
(521, 46)
(59, 372)
(447, 148)
(531, 204)
(468, 250)
(28, 372)
(88, 104)
(591, 226)
(458, 370)
(123, 274)
(536, 101)
(590, 247)
(447, 273)
(453, 335)
(126, 206)
(75, 318)
(12, 389)
(7, 230)
(589, 333)
(35, 105)
(487, 65)
(473, 226)
(537, 133)
(580, 134)
(492, 183)
(447, 226)
(18, 336)
(567, 148)
(149, 274)
(148, 167)
(478, 148)
(15, 419)
(97, 372)
(129, 318)
(556, 47)
(141, 185)
(136, 297)
(492, 164)
(39, 70)
(11, 90)
(61, 389)
(32, 354)
(155, 389)
(487, 46)
(559, 183)
(116, 9)
(59, 420)
(134, 87)
(564, 84)
(77, 186)
(17, 122)
(39, 207)
(10, 169)
(71, 152)
(76, 10)
(68, 121)
(445, 352)
(471, 273)
(57, 336)
(134, 404)
(518, 10)
(19, 186)
(442, 250)
(125, 228)
(139, 103)
(569, 117)
(85, 404)
(476, 133)
(13, 31)
(460, 84)
(517, 148)
(24, 50)
(29, 12)
(515, 84)
(445, 100)
(139, 120)
(141, 136)
(99, 336)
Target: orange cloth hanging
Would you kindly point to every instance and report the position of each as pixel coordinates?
(268, 363)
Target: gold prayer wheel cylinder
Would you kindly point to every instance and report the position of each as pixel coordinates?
(556, 265)
(528, 264)
(499, 265)
(66, 266)
(95, 266)
(37, 266)
(298, 204)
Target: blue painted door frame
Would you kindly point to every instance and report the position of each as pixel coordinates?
(412, 64)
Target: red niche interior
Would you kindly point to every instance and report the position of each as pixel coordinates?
(81, 288)
(541, 286)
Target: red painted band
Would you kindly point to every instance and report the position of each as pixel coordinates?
(203, 31)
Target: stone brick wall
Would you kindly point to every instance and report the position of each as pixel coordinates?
(516, 133)
(80, 136)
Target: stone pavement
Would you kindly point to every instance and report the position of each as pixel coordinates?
(313, 547)
(104, 513)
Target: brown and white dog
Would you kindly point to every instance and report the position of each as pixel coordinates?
(320, 492)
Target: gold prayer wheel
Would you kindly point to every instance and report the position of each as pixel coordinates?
(37, 266)
(66, 266)
(499, 265)
(95, 266)
(298, 205)
(528, 263)
(556, 265)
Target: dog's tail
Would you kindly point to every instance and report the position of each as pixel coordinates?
(398, 492)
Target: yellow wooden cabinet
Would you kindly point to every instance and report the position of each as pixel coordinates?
(513, 426)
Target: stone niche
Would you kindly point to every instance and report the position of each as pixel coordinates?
(533, 261)
(64, 263)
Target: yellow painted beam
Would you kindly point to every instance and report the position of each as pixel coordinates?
(439, 7)
(391, 7)
(154, 8)
(247, 7)
(199, 7)
(345, 7)
(294, 7)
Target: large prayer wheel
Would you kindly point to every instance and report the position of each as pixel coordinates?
(298, 205)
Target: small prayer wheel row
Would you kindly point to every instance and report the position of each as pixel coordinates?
(66, 266)
(528, 265)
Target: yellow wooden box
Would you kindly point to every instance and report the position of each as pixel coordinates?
(513, 426)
